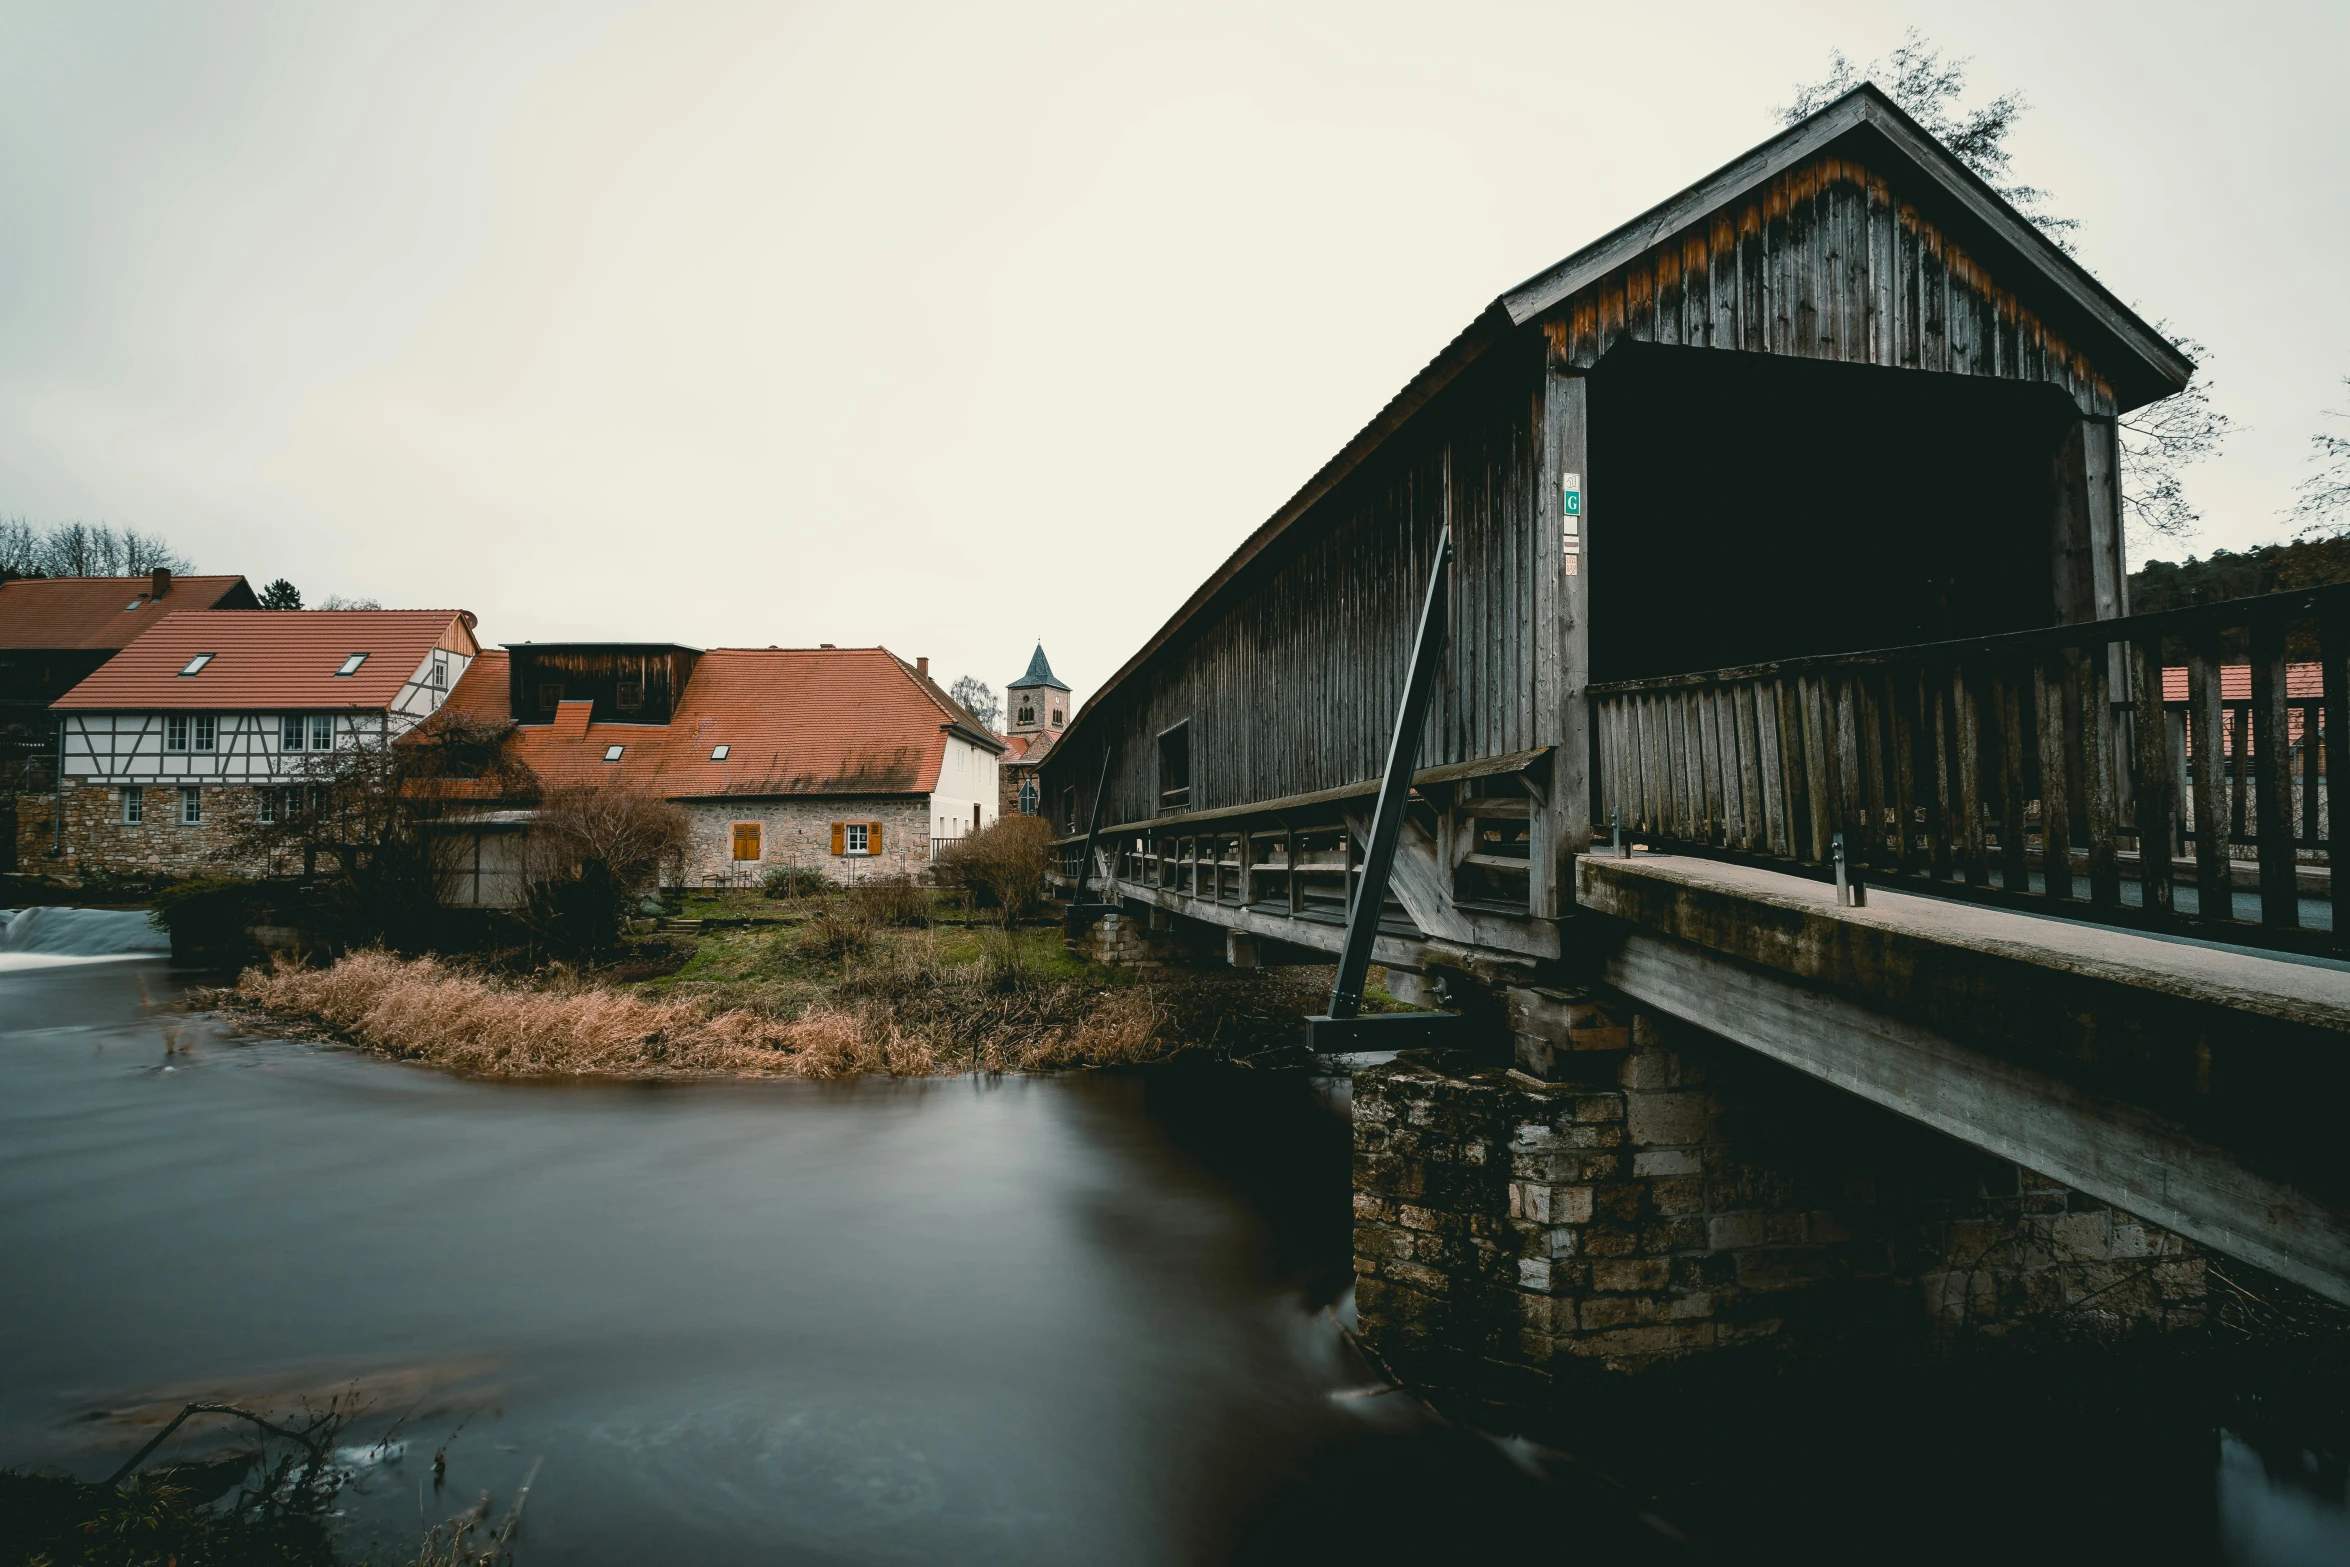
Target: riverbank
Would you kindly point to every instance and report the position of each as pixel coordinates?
(807, 994)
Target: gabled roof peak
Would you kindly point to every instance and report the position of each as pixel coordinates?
(1039, 673)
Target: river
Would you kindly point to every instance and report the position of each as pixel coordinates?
(1085, 1319)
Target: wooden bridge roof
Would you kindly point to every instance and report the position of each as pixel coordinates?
(2050, 318)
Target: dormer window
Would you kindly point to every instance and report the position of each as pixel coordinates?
(717, 753)
(550, 695)
(612, 752)
(196, 665)
(631, 695)
(350, 666)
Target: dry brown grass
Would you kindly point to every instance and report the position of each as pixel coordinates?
(423, 1010)
(902, 1012)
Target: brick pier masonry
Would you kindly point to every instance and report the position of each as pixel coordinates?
(1671, 1193)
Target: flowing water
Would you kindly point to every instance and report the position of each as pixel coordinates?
(1077, 1319)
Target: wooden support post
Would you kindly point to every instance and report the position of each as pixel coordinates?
(2334, 651)
(1561, 828)
(2007, 716)
(1395, 792)
(2097, 777)
(2272, 761)
(2153, 783)
(2208, 759)
(2056, 808)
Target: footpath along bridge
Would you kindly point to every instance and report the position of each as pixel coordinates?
(1542, 695)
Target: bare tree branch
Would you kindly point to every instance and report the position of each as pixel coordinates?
(2324, 504)
(2161, 438)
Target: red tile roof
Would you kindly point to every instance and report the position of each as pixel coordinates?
(2235, 682)
(794, 721)
(103, 612)
(2235, 685)
(272, 658)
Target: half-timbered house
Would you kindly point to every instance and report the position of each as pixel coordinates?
(212, 721)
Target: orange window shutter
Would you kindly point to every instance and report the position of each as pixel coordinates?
(873, 837)
(840, 833)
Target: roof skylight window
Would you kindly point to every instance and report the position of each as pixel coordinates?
(350, 666)
(134, 603)
(717, 753)
(195, 665)
(612, 752)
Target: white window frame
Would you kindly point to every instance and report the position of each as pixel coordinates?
(293, 730)
(855, 838)
(134, 806)
(204, 734)
(440, 669)
(322, 731)
(269, 805)
(191, 805)
(175, 732)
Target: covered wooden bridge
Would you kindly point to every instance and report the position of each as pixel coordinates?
(1778, 527)
(1788, 510)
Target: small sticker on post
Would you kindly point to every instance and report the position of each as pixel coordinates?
(1571, 515)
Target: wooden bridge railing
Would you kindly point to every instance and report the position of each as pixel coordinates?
(2042, 769)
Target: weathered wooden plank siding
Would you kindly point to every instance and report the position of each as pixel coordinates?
(1828, 261)
(1292, 684)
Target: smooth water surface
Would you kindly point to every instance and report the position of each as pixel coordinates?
(1076, 1319)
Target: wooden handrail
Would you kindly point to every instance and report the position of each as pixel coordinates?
(1984, 766)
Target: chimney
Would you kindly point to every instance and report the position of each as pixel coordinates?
(922, 667)
(159, 582)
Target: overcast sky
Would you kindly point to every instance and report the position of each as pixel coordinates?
(950, 327)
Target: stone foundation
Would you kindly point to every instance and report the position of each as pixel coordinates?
(1121, 940)
(98, 842)
(1673, 1194)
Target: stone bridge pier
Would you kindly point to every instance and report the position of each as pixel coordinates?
(1667, 1192)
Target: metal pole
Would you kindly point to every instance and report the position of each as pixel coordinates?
(1395, 792)
(1093, 822)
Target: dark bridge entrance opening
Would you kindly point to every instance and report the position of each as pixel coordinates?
(1746, 507)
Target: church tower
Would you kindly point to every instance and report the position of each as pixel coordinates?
(1036, 706)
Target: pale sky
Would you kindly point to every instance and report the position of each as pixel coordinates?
(950, 327)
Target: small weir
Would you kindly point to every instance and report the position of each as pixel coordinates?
(52, 933)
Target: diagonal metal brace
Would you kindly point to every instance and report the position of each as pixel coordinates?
(1093, 820)
(1395, 793)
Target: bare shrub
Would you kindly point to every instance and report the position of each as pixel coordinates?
(835, 932)
(787, 882)
(891, 900)
(1007, 865)
(591, 853)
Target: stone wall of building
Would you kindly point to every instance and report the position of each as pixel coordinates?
(99, 843)
(799, 833)
(1677, 1195)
